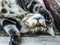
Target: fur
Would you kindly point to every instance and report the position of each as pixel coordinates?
(16, 20)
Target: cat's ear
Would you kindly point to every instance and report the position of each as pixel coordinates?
(51, 31)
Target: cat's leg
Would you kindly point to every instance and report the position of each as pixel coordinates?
(14, 34)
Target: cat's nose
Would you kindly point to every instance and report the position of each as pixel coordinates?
(38, 24)
(37, 18)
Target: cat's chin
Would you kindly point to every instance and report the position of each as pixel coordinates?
(26, 29)
(32, 29)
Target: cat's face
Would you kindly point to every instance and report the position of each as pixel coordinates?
(35, 21)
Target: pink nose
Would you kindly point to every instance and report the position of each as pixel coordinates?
(38, 24)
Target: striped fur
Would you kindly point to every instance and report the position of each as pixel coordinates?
(22, 16)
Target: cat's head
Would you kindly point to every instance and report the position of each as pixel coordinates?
(34, 21)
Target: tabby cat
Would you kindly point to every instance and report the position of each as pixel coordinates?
(29, 16)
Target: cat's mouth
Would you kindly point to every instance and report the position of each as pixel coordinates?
(35, 29)
(38, 25)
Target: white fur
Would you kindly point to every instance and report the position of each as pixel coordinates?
(51, 31)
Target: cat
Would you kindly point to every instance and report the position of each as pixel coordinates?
(16, 20)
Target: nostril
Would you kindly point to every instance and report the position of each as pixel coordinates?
(3, 11)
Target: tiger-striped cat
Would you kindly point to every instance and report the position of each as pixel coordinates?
(17, 19)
